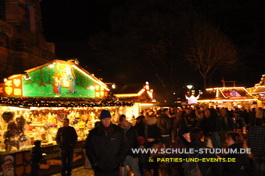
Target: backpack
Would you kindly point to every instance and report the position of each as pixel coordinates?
(191, 168)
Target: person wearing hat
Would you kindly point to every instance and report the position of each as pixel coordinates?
(106, 147)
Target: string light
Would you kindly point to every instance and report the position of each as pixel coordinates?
(67, 102)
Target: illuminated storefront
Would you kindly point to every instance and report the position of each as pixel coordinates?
(229, 97)
(33, 106)
(143, 99)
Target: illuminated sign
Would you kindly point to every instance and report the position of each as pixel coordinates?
(13, 86)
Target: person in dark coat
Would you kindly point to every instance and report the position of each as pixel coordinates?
(131, 158)
(140, 125)
(66, 138)
(206, 168)
(227, 123)
(164, 123)
(256, 141)
(152, 137)
(187, 119)
(235, 140)
(106, 147)
(182, 141)
(209, 125)
(36, 156)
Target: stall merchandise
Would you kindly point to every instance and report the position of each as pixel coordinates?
(33, 106)
(20, 127)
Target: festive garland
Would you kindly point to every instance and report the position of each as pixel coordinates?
(67, 102)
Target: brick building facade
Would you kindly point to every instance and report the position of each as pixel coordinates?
(22, 44)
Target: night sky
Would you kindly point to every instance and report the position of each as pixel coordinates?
(70, 24)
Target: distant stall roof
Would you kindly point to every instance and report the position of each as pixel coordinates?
(143, 94)
(259, 88)
(226, 93)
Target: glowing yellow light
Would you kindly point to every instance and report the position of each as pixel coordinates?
(225, 100)
(189, 86)
(17, 91)
(8, 90)
(126, 95)
(141, 92)
(146, 104)
(8, 83)
(97, 87)
(150, 94)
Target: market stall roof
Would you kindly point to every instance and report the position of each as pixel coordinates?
(144, 95)
(73, 64)
(259, 88)
(226, 94)
(58, 78)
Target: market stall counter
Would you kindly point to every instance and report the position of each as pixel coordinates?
(18, 163)
(33, 106)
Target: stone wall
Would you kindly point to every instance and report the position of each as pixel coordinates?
(22, 44)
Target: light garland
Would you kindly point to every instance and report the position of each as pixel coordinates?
(36, 102)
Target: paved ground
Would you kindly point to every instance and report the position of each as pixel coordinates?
(80, 171)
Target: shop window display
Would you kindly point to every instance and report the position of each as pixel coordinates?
(19, 128)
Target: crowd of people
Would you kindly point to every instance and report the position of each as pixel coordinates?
(109, 146)
(182, 128)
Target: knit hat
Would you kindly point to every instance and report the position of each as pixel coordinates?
(104, 114)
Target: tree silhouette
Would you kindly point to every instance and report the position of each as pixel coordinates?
(158, 40)
(146, 39)
(208, 49)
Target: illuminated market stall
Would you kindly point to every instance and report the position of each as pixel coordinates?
(143, 99)
(228, 97)
(258, 91)
(33, 105)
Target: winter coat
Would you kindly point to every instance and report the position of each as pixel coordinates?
(36, 154)
(140, 128)
(240, 167)
(132, 136)
(215, 168)
(227, 123)
(66, 138)
(106, 148)
(187, 121)
(152, 131)
(164, 123)
(175, 167)
(208, 125)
